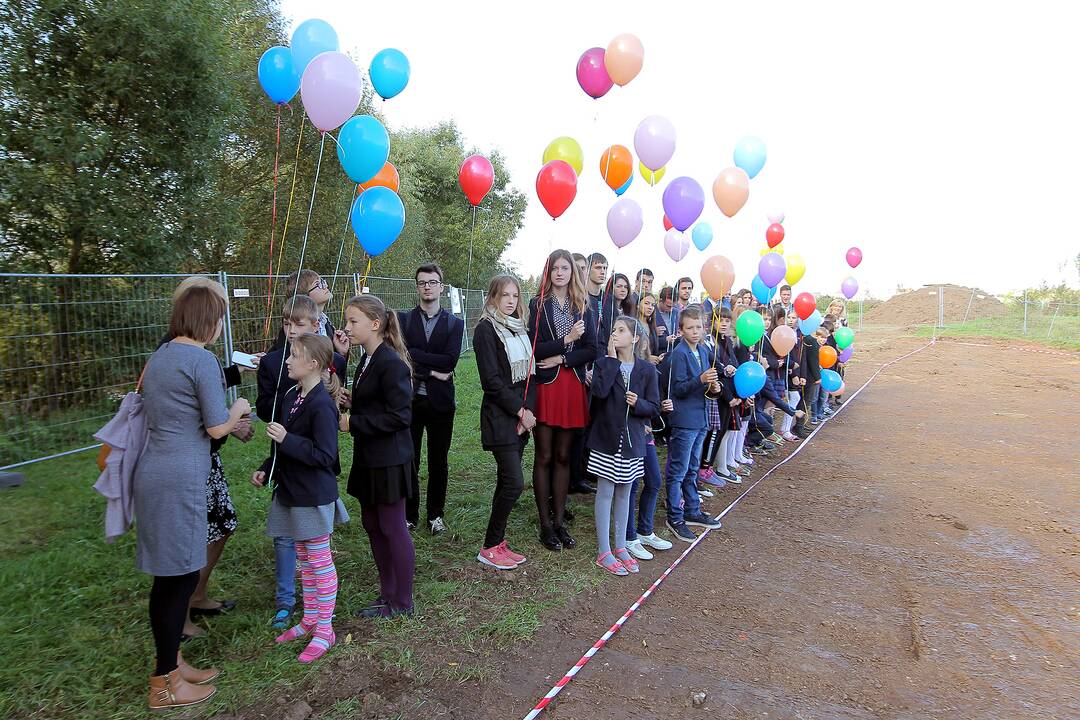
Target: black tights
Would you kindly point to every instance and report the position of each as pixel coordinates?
(169, 596)
(551, 472)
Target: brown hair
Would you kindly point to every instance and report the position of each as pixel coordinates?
(430, 268)
(576, 289)
(649, 322)
(300, 307)
(199, 281)
(198, 311)
(642, 348)
(779, 315)
(692, 312)
(306, 280)
(495, 288)
(321, 350)
(389, 328)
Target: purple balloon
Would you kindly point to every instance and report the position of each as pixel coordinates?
(654, 141)
(624, 222)
(330, 89)
(592, 76)
(849, 287)
(846, 354)
(683, 202)
(676, 244)
(771, 269)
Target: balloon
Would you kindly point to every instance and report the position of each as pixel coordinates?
(827, 356)
(717, 275)
(830, 380)
(730, 190)
(591, 74)
(667, 223)
(776, 217)
(843, 336)
(805, 305)
(556, 186)
(278, 75)
(846, 354)
(387, 177)
(566, 149)
(749, 376)
(330, 89)
(774, 235)
(363, 147)
(476, 177)
(651, 176)
(750, 155)
(654, 141)
(849, 287)
(624, 222)
(311, 39)
(702, 235)
(782, 338)
(378, 217)
(810, 324)
(761, 291)
(772, 269)
(683, 202)
(854, 257)
(625, 186)
(389, 72)
(616, 166)
(842, 386)
(779, 250)
(749, 327)
(623, 58)
(796, 268)
(676, 244)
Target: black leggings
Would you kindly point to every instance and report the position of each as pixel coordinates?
(169, 596)
(551, 472)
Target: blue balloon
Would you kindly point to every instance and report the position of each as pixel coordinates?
(702, 235)
(750, 155)
(312, 37)
(363, 147)
(377, 218)
(277, 74)
(749, 379)
(762, 292)
(389, 72)
(810, 324)
(831, 380)
(625, 185)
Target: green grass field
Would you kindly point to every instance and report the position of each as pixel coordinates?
(74, 633)
(1064, 333)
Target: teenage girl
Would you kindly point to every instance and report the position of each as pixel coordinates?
(617, 302)
(647, 317)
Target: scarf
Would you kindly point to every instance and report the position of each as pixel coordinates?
(515, 340)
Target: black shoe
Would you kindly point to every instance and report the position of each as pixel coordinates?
(757, 450)
(224, 607)
(550, 540)
(803, 432)
(373, 610)
(701, 520)
(768, 446)
(682, 532)
(567, 541)
(582, 488)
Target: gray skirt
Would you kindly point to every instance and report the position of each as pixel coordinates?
(305, 523)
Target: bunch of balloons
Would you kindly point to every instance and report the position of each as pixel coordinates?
(598, 69)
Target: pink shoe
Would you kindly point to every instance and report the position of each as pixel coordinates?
(317, 648)
(615, 568)
(628, 561)
(515, 557)
(790, 437)
(706, 474)
(495, 557)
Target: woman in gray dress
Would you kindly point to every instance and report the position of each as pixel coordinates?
(184, 401)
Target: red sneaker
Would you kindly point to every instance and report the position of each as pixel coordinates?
(513, 556)
(496, 558)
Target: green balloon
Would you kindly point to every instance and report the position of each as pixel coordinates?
(843, 336)
(749, 327)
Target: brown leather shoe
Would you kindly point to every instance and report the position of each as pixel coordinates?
(195, 676)
(172, 691)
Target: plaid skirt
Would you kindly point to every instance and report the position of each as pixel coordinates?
(712, 412)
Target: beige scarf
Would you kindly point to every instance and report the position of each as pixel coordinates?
(515, 340)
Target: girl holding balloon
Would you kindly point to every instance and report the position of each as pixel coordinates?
(775, 390)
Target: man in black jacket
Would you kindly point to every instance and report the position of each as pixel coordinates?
(433, 337)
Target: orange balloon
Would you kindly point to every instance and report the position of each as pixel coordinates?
(730, 190)
(616, 166)
(623, 58)
(827, 356)
(717, 275)
(782, 338)
(387, 177)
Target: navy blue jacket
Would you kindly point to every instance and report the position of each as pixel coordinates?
(305, 474)
(270, 372)
(687, 390)
(578, 354)
(440, 354)
(608, 411)
(382, 412)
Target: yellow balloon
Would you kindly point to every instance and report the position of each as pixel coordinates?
(651, 176)
(779, 250)
(796, 268)
(567, 149)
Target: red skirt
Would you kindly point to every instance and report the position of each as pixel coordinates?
(562, 402)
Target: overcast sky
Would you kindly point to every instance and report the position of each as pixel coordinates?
(942, 138)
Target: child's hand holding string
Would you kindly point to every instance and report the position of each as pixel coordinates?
(341, 342)
(276, 432)
(708, 377)
(258, 478)
(631, 399)
(667, 406)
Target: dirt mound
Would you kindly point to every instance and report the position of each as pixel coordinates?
(920, 307)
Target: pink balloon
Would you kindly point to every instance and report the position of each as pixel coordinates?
(624, 221)
(330, 89)
(676, 244)
(654, 142)
(592, 76)
(849, 287)
(782, 338)
(854, 257)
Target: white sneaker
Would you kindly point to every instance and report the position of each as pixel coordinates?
(704, 493)
(635, 548)
(654, 541)
(437, 526)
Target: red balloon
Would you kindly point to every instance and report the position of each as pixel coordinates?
(667, 223)
(774, 235)
(556, 186)
(805, 305)
(476, 178)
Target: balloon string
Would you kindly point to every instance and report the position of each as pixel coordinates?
(468, 274)
(341, 247)
(364, 279)
(288, 214)
(273, 226)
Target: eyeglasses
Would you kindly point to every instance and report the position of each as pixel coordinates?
(428, 283)
(321, 285)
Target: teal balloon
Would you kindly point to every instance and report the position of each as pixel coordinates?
(750, 155)
(389, 72)
(277, 74)
(702, 235)
(749, 378)
(762, 292)
(363, 147)
(831, 380)
(377, 218)
(810, 324)
(312, 37)
(625, 185)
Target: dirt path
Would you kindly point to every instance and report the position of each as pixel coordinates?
(920, 559)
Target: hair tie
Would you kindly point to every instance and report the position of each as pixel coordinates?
(332, 369)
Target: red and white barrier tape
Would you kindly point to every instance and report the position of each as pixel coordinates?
(1022, 348)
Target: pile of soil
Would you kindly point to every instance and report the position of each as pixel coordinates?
(920, 307)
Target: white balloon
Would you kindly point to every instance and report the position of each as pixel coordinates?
(776, 217)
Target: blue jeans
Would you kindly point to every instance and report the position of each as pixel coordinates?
(683, 461)
(822, 399)
(649, 496)
(285, 571)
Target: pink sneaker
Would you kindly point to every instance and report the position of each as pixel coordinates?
(706, 474)
(790, 437)
(511, 555)
(496, 558)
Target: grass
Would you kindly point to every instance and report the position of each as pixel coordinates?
(73, 626)
(1065, 332)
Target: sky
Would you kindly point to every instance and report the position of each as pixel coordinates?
(941, 138)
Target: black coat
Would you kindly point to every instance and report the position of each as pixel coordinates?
(609, 420)
(503, 398)
(305, 474)
(382, 412)
(578, 354)
(811, 347)
(440, 354)
(271, 373)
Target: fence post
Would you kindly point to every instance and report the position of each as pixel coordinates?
(1025, 312)
(861, 311)
(1051, 328)
(941, 306)
(966, 312)
(226, 331)
(356, 283)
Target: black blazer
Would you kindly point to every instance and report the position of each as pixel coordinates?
(270, 371)
(307, 467)
(811, 348)
(440, 353)
(542, 332)
(607, 413)
(503, 398)
(382, 412)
